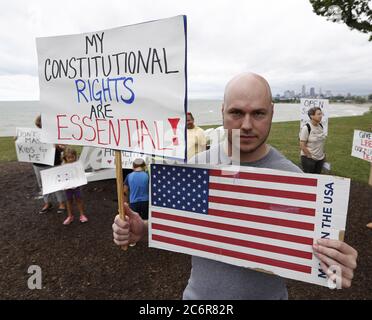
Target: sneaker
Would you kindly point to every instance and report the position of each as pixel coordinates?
(68, 220)
(46, 209)
(83, 218)
(61, 210)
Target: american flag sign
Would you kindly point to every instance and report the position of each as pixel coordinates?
(257, 218)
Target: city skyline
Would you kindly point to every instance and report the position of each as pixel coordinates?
(315, 92)
(284, 41)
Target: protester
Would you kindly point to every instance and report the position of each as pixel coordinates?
(39, 167)
(247, 107)
(136, 186)
(312, 140)
(70, 156)
(196, 140)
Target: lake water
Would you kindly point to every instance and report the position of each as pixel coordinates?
(206, 112)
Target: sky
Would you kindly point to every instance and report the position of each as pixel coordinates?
(284, 41)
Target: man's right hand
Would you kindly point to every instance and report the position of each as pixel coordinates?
(130, 230)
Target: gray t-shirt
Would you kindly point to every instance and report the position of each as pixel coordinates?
(214, 280)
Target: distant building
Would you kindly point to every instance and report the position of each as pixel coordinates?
(289, 94)
(303, 92)
(312, 92)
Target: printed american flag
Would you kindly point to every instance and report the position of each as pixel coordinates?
(257, 218)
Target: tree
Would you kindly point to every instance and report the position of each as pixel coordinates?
(356, 14)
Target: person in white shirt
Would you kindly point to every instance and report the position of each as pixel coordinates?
(196, 140)
(312, 140)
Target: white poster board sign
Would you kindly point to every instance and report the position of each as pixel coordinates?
(127, 158)
(362, 145)
(66, 176)
(29, 148)
(306, 104)
(122, 88)
(257, 218)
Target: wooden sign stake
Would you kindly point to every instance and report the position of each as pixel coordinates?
(119, 186)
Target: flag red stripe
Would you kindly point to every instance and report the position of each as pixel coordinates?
(263, 205)
(234, 241)
(264, 192)
(228, 227)
(233, 254)
(261, 219)
(266, 177)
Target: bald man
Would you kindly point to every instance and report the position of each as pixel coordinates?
(248, 108)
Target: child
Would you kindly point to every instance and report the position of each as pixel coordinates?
(136, 186)
(69, 156)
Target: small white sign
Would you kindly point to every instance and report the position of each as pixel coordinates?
(127, 158)
(362, 145)
(327, 166)
(306, 104)
(63, 177)
(29, 148)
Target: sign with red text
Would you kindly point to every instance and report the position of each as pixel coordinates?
(306, 104)
(29, 148)
(122, 88)
(67, 176)
(127, 158)
(257, 218)
(362, 145)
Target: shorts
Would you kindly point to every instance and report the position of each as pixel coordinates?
(142, 208)
(70, 193)
(311, 166)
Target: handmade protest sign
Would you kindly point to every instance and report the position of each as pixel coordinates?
(306, 104)
(127, 158)
(29, 148)
(258, 218)
(122, 88)
(63, 177)
(362, 145)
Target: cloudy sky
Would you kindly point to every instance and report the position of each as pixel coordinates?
(282, 40)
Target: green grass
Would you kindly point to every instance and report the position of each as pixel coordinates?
(7, 149)
(284, 137)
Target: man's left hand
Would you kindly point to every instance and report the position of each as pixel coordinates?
(337, 253)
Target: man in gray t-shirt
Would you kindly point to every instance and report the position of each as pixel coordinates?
(247, 107)
(206, 281)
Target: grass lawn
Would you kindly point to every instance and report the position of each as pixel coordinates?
(284, 137)
(7, 149)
